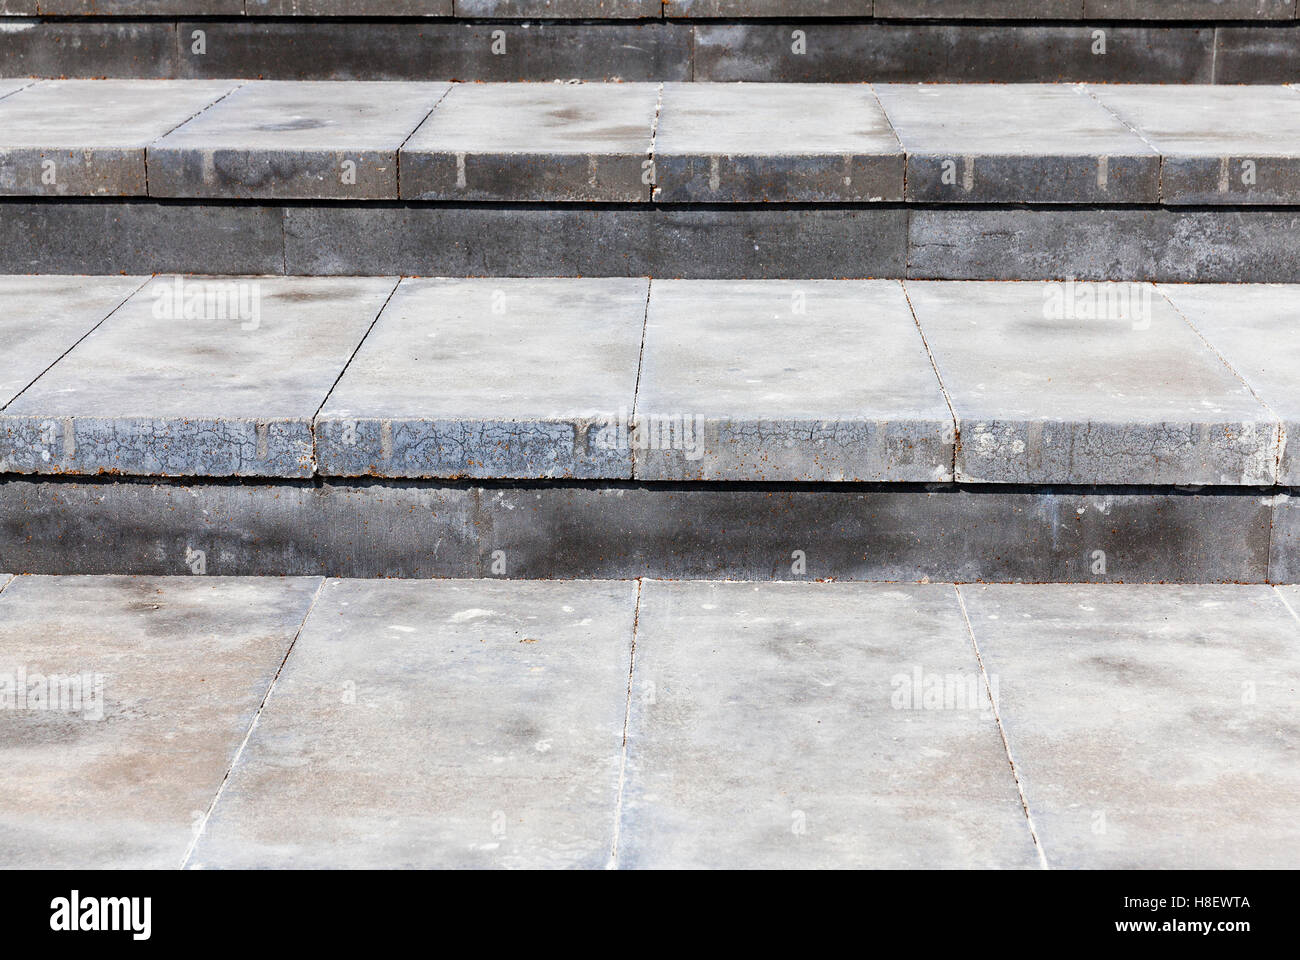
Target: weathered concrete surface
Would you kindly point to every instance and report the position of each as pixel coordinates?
(1256, 54)
(767, 8)
(436, 724)
(152, 8)
(193, 377)
(43, 317)
(1190, 9)
(787, 381)
(526, 9)
(776, 726)
(1223, 144)
(1089, 384)
(534, 142)
(775, 142)
(180, 667)
(1253, 328)
(1152, 727)
(88, 137)
(8, 87)
(88, 48)
(1021, 143)
(272, 140)
(957, 9)
(491, 378)
(1284, 540)
(349, 8)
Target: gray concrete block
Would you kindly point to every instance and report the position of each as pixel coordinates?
(1222, 144)
(1256, 54)
(1253, 328)
(767, 8)
(787, 381)
(491, 378)
(1284, 540)
(1175, 245)
(45, 316)
(542, 9)
(1031, 143)
(1069, 383)
(783, 726)
(348, 8)
(786, 142)
(306, 49)
(88, 137)
(1123, 705)
(436, 724)
(91, 236)
(951, 53)
(135, 8)
(88, 48)
(193, 377)
(1190, 9)
(271, 140)
(981, 9)
(170, 672)
(541, 142)
(18, 8)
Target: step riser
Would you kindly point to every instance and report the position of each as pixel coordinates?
(629, 530)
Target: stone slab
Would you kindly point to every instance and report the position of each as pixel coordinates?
(88, 137)
(767, 8)
(1021, 143)
(491, 378)
(196, 377)
(787, 381)
(1190, 9)
(178, 667)
(540, 142)
(88, 48)
(135, 8)
(44, 317)
(781, 726)
(1087, 384)
(981, 9)
(542, 9)
(1152, 727)
(438, 724)
(349, 8)
(273, 140)
(1255, 53)
(775, 143)
(8, 87)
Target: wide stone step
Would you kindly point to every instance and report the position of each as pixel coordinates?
(628, 724)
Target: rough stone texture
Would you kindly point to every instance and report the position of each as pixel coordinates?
(527, 9)
(1253, 329)
(1030, 143)
(773, 726)
(951, 53)
(349, 8)
(88, 48)
(553, 531)
(274, 140)
(542, 142)
(957, 9)
(1152, 727)
(435, 724)
(88, 137)
(184, 663)
(491, 378)
(1190, 9)
(232, 391)
(44, 317)
(1222, 144)
(1071, 384)
(332, 50)
(787, 142)
(787, 381)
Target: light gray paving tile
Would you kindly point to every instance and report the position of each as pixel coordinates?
(775, 142)
(1152, 726)
(8, 87)
(1039, 143)
(788, 380)
(196, 377)
(438, 724)
(164, 676)
(1089, 383)
(516, 378)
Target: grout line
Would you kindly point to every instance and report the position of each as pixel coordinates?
(907, 159)
(1286, 603)
(640, 362)
(239, 85)
(654, 145)
(627, 719)
(1087, 91)
(207, 815)
(9, 578)
(934, 365)
(397, 154)
(997, 718)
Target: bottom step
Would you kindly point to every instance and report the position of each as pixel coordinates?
(221, 722)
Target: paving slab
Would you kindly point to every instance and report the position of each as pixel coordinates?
(525, 9)
(438, 724)
(120, 8)
(158, 682)
(535, 141)
(781, 380)
(787, 726)
(775, 142)
(349, 8)
(89, 137)
(767, 8)
(493, 378)
(1219, 144)
(1032, 143)
(43, 317)
(1253, 327)
(1152, 727)
(308, 140)
(981, 9)
(1089, 383)
(13, 86)
(1190, 9)
(196, 377)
